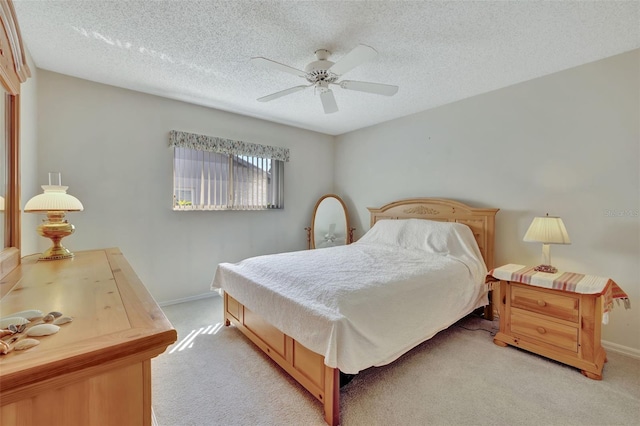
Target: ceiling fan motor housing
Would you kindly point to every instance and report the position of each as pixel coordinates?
(318, 71)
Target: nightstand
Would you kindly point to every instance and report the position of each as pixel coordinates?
(556, 322)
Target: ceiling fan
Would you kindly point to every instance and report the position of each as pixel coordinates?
(322, 73)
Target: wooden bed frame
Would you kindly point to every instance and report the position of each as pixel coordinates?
(308, 367)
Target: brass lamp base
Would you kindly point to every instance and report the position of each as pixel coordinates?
(55, 227)
(56, 252)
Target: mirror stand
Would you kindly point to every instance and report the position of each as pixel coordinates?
(308, 229)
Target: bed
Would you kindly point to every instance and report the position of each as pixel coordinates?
(317, 313)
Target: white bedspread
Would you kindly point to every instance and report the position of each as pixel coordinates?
(367, 303)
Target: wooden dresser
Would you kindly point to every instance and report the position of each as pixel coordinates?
(557, 324)
(97, 369)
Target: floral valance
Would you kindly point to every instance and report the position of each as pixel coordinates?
(226, 146)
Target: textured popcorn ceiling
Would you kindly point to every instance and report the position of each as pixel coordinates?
(436, 52)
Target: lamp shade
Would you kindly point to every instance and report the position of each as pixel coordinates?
(547, 230)
(54, 198)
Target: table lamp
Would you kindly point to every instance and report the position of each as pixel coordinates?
(54, 202)
(547, 230)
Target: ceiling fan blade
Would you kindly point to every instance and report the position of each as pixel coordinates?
(268, 63)
(363, 86)
(328, 102)
(281, 93)
(358, 55)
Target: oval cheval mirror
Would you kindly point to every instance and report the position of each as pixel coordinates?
(329, 224)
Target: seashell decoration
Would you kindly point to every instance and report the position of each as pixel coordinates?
(7, 321)
(17, 328)
(42, 330)
(62, 320)
(28, 314)
(25, 344)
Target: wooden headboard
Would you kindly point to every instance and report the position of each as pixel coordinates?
(481, 221)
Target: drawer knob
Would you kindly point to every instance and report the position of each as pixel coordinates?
(541, 330)
(542, 302)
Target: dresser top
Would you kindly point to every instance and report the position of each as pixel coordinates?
(114, 316)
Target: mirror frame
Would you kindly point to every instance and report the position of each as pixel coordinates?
(13, 71)
(311, 244)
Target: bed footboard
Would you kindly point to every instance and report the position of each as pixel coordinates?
(305, 366)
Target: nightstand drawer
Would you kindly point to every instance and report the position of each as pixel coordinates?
(554, 304)
(550, 332)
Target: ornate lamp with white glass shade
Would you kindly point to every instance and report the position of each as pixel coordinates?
(54, 202)
(547, 230)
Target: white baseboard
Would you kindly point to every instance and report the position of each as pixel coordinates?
(619, 349)
(189, 299)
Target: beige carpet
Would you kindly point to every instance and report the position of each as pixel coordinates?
(214, 376)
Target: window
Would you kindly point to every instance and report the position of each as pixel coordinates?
(211, 173)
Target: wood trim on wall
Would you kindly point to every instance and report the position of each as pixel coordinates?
(13, 64)
(13, 71)
(12, 209)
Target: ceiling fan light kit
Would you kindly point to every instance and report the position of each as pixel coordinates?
(323, 72)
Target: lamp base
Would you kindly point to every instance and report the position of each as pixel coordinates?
(546, 268)
(55, 227)
(56, 252)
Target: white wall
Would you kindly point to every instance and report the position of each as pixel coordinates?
(567, 144)
(111, 146)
